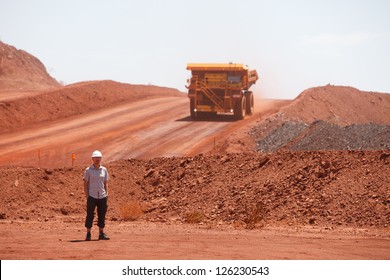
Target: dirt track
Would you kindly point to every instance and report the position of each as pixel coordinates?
(142, 129)
(123, 125)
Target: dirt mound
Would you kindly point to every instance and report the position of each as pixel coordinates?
(328, 118)
(339, 105)
(283, 188)
(73, 100)
(20, 70)
(247, 190)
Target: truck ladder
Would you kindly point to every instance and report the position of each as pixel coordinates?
(210, 94)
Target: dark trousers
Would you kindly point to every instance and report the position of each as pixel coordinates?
(101, 205)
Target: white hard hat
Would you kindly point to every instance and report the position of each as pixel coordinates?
(97, 154)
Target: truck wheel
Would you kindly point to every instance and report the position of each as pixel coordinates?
(249, 102)
(239, 108)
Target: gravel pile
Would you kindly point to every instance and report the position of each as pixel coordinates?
(321, 136)
(327, 136)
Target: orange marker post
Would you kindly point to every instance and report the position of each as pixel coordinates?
(39, 159)
(73, 158)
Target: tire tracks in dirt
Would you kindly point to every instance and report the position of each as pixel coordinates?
(143, 129)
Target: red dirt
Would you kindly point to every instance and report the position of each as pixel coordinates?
(340, 105)
(150, 241)
(21, 71)
(73, 100)
(244, 204)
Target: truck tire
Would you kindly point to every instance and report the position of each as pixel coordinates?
(249, 102)
(240, 108)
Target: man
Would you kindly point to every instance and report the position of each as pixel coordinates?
(96, 191)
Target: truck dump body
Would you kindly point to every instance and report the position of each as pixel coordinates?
(221, 88)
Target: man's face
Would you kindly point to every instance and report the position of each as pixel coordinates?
(96, 160)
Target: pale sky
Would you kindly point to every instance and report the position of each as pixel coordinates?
(294, 45)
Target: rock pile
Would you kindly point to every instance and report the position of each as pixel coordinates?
(323, 188)
(344, 188)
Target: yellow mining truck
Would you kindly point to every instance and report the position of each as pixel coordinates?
(220, 88)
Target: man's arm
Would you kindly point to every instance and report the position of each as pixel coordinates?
(106, 187)
(86, 189)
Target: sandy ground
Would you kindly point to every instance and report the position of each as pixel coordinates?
(140, 240)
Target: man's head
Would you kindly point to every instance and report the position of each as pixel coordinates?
(96, 157)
